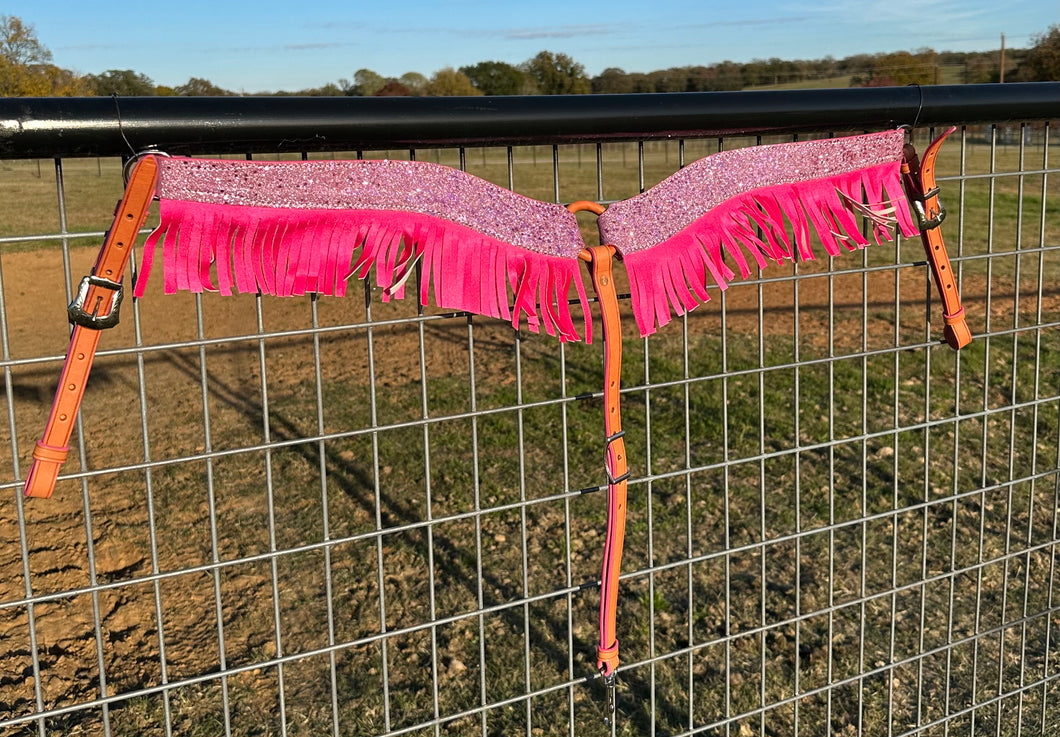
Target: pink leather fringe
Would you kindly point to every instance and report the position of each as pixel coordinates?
(286, 252)
(671, 277)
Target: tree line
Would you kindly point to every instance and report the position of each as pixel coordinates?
(26, 70)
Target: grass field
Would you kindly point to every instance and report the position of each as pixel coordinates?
(835, 524)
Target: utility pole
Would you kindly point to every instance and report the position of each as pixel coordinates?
(1001, 77)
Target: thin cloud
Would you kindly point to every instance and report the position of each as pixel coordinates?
(261, 49)
(509, 34)
(91, 47)
(895, 13)
(317, 45)
(569, 31)
(334, 24)
(752, 22)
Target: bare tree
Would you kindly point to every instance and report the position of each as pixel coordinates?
(19, 44)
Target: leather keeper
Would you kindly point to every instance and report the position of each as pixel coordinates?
(607, 658)
(50, 453)
(955, 318)
(40, 483)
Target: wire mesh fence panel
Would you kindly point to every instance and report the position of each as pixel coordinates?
(326, 515)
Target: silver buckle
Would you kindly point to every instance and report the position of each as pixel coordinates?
(929, 223)
(80, 316)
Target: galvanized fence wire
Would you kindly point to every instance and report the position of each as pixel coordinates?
(322, 516)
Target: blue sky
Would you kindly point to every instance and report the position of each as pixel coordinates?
(267, 45)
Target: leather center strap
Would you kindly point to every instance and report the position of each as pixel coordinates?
(600, 260)
(94, 308)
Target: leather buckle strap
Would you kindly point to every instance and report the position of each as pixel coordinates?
(95, 308)
(918, 176)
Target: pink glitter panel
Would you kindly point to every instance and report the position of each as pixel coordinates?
(741, 208)
(404, 186)
(293, 228)
(289, 228)
(658, 214)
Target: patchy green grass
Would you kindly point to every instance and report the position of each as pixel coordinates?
(754, 549)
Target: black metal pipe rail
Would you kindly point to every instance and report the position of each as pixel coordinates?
(107, 126)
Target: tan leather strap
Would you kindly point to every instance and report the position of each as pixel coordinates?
(94, 308)
(601, 260)
(919, 178)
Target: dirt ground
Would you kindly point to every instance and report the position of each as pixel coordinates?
(56, 548)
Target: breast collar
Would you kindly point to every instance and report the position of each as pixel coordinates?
(300, 227)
